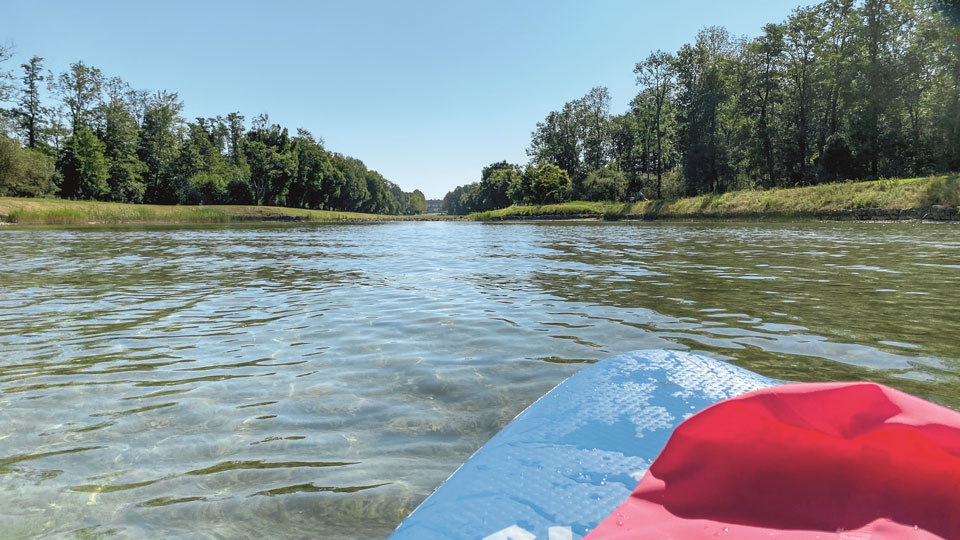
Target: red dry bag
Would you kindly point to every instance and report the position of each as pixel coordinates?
(843, 461)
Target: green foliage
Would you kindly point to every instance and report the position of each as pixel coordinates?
(126, 180)
(548, 184)
(837, 161)
(943, 191)
(30, 111)
(206, 188)
(794, 203)
(25, 172)
(310, 186)
(417, 203)
(120, 144)
(84, 168)
(502, 183)
(605, 185)
(844, 89)
(159, 147)
(495, 180)
(79, 89)
(520, 190)
(120, 135)
(460, 201)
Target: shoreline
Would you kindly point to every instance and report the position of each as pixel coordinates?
(932, 199)
(860, 215)
(52, 212)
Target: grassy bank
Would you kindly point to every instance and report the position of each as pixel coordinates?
(907, 198)
(59, 211)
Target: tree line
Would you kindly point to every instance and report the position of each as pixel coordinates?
(841, 90)
(102, 139)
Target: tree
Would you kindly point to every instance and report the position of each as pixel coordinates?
(460, 201)
(702, 93)
(6, 85)
(25, 172)
(626, 140)
(557, 140)
(520, 190)
(802, 36)
(417, 203)
(120, 134)
(236, 132)
(656, 74)
(495, 180)
(605, 185)
(313, 171)
(548, 184)
(159, 145)
(594, 115)
(837, 56)
(348, 188)
(764, 59)
(79, 89)
(273, 164)
(84, 168)
(31, 112)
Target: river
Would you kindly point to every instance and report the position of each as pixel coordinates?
(290, 381)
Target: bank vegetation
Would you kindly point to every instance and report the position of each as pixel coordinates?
(933, 198)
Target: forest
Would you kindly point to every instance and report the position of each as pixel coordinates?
(843, 90)
(101, 139)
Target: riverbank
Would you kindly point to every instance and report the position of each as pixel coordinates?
(64, 212)
(933, 198)
(912, 199)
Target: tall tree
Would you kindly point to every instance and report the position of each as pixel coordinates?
(495, 180)
(594, 115)
(702, 92)
(31, 111)
(84, 168)
(548, 184)
(882, 23)
(159, 146)
(557, 140)
(837, 57)
(25, 172)
(313, 172)
(120, 136)
(802, 34)
(417, 203)
(656, 74)
(79, 90)
(6, 85)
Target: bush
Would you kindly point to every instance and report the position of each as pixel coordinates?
(206, 188)
(944, 191)
(605, 185)
(25, 172)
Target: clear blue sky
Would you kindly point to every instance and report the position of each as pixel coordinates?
(426, 93)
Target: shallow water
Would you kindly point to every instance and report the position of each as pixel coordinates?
(319, 381)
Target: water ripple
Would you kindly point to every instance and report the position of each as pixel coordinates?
(302, 381)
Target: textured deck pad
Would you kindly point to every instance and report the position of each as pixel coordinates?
(571, 458)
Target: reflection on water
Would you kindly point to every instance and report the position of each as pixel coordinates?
(322, 380)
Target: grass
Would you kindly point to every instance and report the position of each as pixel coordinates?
(63, 212)
(794, 203)
(802, 202)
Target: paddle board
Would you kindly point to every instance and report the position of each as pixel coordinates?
(570, 459)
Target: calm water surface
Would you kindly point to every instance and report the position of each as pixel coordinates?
(319, 381)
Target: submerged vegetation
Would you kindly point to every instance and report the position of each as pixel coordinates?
(99, 139)
(841, 90)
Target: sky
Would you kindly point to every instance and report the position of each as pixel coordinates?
(427, 93)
